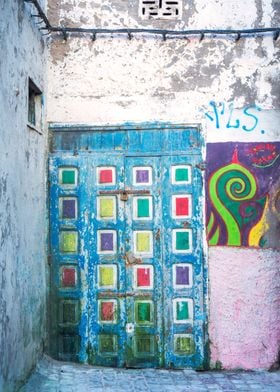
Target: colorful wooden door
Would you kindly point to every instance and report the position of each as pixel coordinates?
(126, 246)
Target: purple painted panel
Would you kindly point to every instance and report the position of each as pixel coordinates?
(107, 242)
(142, 176)
(182, 275)
(68, 209)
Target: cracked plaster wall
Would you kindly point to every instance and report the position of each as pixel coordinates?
(22, 198)
(114, 80)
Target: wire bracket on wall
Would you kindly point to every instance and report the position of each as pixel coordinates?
(170, 34)
(276, 35)
(238, 36)
(64, 33)
(41, 14)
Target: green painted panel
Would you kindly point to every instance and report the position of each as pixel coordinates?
(107, 344)
(68, 177)
(182, 174)
(144, 345)
(182, 240)
(143, 208)
(182, 310)
(69, 312)
(70, 344)
(184, 345)
(143, 312)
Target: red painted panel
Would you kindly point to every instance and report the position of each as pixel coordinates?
(182, 206)
(143, 277)
(107, 311)
(106, 176)
(68, 277)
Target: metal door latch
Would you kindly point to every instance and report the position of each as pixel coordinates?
(124, 196)
(124, 193)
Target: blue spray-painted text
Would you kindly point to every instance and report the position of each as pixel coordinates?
(224, 114)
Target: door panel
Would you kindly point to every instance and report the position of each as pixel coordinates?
(183, 266)
(69, 187)
(144, 264)
(106, 267)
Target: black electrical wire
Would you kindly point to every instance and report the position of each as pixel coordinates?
(171, 34)
(164, 33)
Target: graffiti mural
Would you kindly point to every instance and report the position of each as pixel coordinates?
(243, 194)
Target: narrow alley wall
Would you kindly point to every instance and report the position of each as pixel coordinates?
(231, 89)
(22, 197)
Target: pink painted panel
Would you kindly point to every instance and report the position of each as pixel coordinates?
(244, 323)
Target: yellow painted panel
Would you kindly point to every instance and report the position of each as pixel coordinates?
(69, 242)
(106, 276)
(143, 242)
(107, 208)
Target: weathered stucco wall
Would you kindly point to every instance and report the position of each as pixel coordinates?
(112, 80)
(230, 88)
(22, 198)
(244, 307)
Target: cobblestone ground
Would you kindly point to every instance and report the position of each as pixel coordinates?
(53, 376)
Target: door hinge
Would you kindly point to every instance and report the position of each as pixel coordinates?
(201, 166)
(158, 235)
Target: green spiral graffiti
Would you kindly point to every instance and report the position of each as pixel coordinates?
(228, 187)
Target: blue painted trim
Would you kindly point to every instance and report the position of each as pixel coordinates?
(133, 126)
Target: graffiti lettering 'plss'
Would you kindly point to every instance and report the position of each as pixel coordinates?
(243, 188)
(223, 114)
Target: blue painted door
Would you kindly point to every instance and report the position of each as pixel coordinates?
(128, 280)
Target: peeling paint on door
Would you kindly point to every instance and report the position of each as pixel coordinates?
(128, 273)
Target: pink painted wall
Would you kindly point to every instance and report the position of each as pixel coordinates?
(244, 325)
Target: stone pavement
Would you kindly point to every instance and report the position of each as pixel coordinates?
(54, 376)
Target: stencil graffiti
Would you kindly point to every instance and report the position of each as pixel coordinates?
(160, 9)
(224, 115)
(243, 194)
